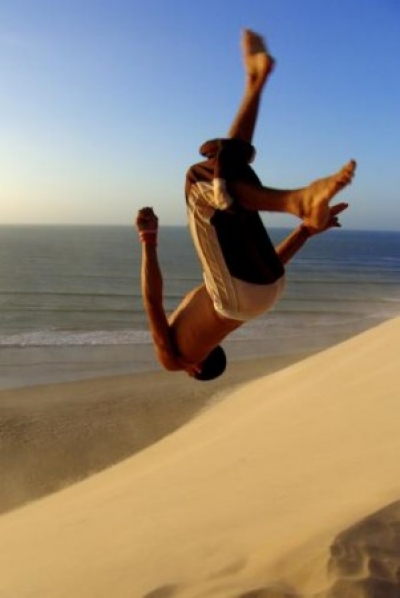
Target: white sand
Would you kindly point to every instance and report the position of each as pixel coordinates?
(243, 501)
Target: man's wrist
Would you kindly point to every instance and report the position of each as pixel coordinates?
(148, 237)
(304, 232)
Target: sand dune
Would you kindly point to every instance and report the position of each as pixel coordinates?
(287, 488)
(54, 435)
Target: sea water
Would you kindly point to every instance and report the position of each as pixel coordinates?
(79, 286)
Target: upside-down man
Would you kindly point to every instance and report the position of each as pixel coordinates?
(243, 273)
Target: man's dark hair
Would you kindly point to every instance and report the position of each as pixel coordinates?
(213, 365)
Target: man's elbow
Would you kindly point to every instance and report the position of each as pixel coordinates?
(168, 362)
(171, 367)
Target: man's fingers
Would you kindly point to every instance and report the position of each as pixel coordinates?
(146, 220)
(338, 208)
(147, 213)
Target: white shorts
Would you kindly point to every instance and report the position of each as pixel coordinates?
(245, 300)
(242, 271)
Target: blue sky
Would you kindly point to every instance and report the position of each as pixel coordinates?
(105, 102)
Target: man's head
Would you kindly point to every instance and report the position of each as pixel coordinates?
(213, 365)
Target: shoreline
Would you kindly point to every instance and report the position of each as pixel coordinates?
(27, 366)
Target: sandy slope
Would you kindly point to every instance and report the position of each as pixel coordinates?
(56, 434)
(243, 501)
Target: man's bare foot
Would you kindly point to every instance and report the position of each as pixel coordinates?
(257, 62)
(316, 197)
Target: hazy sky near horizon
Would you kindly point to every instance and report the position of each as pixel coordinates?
(104, 103)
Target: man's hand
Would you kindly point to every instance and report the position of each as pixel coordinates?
(147, 221)
(333, 221)
(288, 248)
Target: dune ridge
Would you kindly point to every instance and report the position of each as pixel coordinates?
(247, 500)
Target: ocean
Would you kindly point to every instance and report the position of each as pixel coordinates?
(79, 286)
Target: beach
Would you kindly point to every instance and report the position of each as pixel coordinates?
(280, 481)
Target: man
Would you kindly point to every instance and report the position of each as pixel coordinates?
(243, 272)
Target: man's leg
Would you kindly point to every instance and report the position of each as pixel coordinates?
(309, 203)
(258, 66)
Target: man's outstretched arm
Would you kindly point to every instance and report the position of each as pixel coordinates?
(295, 241)
(152, 290)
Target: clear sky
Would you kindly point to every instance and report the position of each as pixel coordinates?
(104, 103)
